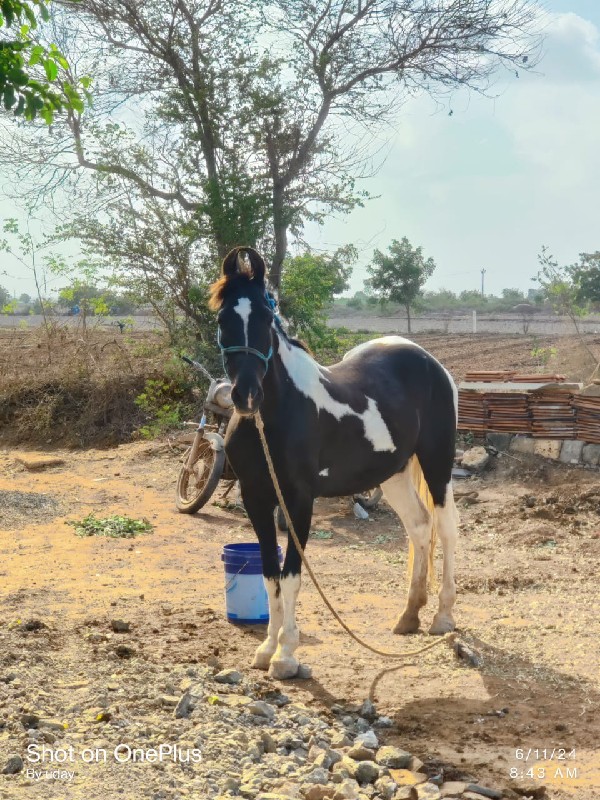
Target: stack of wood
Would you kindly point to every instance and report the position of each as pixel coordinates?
(507, 411)
(471, 411)
(552, 413)
(587, 411)
(489, 376)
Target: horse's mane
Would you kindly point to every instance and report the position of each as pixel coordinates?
(217, 291)
(295, 342)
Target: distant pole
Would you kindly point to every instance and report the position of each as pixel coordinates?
(474, 321)
(483, 282)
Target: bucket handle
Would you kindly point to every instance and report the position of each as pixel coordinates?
(231, 580)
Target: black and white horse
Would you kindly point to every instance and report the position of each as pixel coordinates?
(332, 431)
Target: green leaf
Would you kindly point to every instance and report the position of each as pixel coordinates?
(9, 97)
(51, 69)
(37, 53)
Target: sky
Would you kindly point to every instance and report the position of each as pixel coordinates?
(489, 185)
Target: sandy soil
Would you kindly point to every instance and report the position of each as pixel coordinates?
(528, 601)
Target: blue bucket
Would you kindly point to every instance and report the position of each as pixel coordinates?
(246, 598)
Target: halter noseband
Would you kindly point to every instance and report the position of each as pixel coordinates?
(238, 348)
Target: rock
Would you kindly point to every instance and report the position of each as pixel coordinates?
(367, 739)
(384, 722)
(501, 441)
(268, 742)
(346, 766)
(230, 785)
(13, 765)
(368, 710)
(571, 450)
(327, 758)
(476, 459)
(366, 772)
(261, 709)
(537, 791)
(406, 777)
(95, 637)
(494, 794)
(347, 790)
(467, 654)
(29, 720)
(231, 676)
(319, 792)
(185, 706)
(591, 454)
(452, 788)
(393, 757)
(428, 791)
(123, 651)
(340, 740)
(406, 793)
(386, 787)
(361, 753)
(548, 448)
(52, 724)
(522, 444)
(169, 700)
(318, 775)
(34, 461)
(119, 626)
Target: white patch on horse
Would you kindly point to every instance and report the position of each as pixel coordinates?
(243, 308)
(388, 341)
(283, 663)
(306, 376)
(324, 472)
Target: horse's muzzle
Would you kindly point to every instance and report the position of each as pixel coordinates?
(247, 404)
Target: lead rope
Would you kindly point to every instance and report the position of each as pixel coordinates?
(449, 636)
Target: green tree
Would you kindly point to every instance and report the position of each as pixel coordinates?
(254, 147)
(586, 276)
(34, 77)
(399, 275)
(5, 297)
(309, 284)
(562, 290)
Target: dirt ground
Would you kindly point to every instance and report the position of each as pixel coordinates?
(528, 602)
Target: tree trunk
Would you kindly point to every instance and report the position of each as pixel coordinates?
(408, 316)
(280, 228)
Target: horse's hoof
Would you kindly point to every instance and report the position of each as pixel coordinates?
(408, 623)
(442, 623)
(262, 660)
(283, 668)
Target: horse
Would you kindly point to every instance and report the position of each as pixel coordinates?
(332, 431)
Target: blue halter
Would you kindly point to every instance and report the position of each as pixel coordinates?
(252, 350)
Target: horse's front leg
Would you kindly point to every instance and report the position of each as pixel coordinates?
(283, 663)
(260, 509)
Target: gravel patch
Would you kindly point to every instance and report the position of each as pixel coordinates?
(21, 509)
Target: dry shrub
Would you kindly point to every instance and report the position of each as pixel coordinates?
(59, 387)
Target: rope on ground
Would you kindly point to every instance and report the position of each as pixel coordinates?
(386, 653)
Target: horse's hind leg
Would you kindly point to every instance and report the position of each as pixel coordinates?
(447, 522)
(400, 493)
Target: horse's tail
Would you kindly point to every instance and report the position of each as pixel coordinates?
(420, 484)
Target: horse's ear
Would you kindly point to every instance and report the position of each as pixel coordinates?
(257, 263)
(229, 266)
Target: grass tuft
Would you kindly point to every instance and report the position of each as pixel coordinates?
(115, 527)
